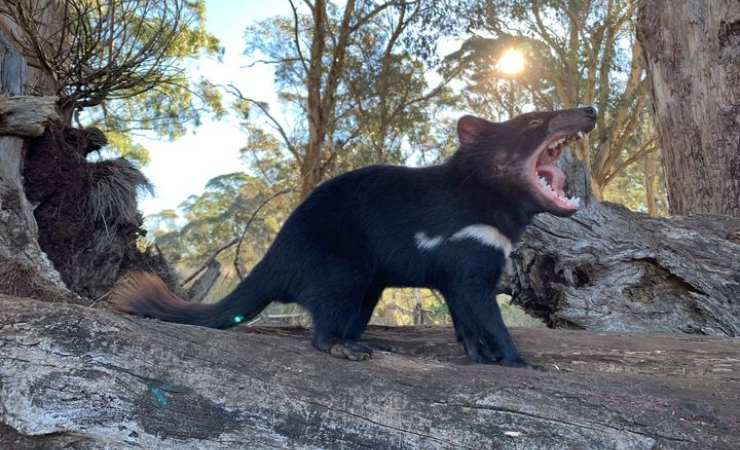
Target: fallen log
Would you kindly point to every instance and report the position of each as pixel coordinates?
(205, 282)
(85, 378)
(609, 268)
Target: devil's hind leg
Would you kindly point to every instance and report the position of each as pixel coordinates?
(335, 303)
(359, 324)
(331, 332)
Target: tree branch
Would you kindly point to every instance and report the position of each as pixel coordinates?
(276, 124)
(246, 227)
(296, 40)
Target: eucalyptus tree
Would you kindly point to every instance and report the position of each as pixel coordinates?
(693, 59)
(354, 80)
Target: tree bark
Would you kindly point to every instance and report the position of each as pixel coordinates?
(25, 116)
(650, 176)
(692, 52)
(19, 117)
(608, 268)
(83, 378)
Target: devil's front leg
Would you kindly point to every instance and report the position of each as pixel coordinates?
(470, 337)
(470, 295)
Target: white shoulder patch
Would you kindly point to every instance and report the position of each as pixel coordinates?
(425, 242)
(486, 235)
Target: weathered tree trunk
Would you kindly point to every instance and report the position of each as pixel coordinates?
(20, 118)
(82, 215)
(692, 50)
(322, 89)
(84, 378)
(650, 170)
(607, 268)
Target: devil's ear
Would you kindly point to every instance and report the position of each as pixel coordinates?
(470, 129)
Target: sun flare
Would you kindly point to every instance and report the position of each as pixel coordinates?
(511, 62)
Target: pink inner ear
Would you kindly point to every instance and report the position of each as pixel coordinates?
(470, 128)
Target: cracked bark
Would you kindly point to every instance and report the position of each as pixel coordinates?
(692, 55)
(610, 269)
(87, 378)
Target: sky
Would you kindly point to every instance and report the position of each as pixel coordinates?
(182, 167)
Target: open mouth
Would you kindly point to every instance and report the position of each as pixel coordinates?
(546, 177)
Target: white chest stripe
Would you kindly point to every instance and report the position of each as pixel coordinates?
(425, 242)
(486, 235)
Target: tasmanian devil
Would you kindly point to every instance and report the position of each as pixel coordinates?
(448, 227)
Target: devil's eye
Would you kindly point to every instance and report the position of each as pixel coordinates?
(535, 123)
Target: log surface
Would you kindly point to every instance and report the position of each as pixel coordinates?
(85, 378)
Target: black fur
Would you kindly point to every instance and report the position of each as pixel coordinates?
(357, 234)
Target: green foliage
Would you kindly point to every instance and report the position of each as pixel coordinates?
(126, 147)
(387, 109)
(405, 306)
(216, 217)
(515, 316)
(628, 189)
(121, 65)
(163, 222)
(267, 157)
(575, 53)
(149, 88)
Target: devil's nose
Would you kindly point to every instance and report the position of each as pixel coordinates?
(590, 111)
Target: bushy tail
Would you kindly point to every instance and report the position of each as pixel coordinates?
(146, 295)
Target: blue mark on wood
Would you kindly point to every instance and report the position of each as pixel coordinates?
(160, 393)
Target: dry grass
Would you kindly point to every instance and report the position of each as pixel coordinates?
(113, 189)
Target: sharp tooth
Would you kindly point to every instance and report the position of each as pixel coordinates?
(580, 135)
(574, 201)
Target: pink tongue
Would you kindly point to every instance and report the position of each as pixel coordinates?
(555, 175)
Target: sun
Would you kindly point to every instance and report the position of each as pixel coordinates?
(511, 62)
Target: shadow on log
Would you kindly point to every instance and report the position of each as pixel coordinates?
(86, 378)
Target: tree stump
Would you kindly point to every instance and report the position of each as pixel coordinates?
(24, 268)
